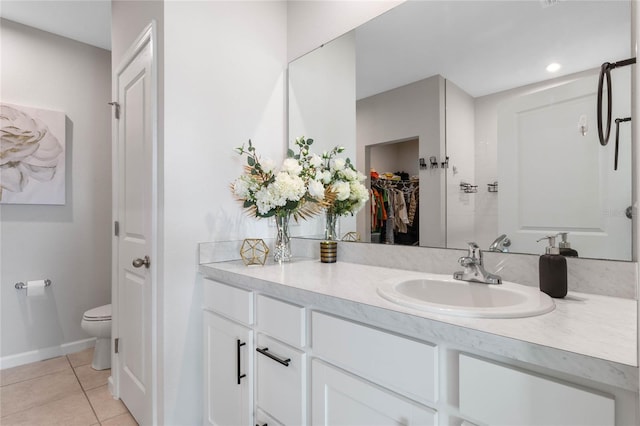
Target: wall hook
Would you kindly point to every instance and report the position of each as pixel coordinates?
(583, 127)
(467, 188)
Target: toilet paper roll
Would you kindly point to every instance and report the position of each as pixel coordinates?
(35, 288)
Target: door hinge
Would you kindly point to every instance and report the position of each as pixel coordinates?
(116, 228)
(116, 345)
(117, 110)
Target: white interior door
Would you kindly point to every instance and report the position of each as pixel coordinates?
(555, 178)
(135, 262)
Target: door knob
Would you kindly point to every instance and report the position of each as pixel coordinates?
(137, 263)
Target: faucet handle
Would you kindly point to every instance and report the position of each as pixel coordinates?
(467, 261)
(474, 251)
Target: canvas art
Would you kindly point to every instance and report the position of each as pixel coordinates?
(32, 155)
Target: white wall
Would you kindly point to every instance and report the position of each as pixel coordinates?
(322, 106)
(68, 244)
(462, 167)
(224, 84)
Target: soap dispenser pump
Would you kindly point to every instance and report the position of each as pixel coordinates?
(565, 246)
(553, 270)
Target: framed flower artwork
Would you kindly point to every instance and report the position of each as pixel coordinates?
(32, 155)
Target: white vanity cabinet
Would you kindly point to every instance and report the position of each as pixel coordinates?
(487, 395)
(302, 364)
(228, 351)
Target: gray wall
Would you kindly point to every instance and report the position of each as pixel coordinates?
(68, 244)
(413, 110)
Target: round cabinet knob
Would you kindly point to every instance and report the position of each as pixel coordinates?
(137, 263)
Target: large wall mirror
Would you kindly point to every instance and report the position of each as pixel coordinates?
(460, 104)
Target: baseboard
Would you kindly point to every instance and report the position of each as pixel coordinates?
(46, 353)
(112, 389)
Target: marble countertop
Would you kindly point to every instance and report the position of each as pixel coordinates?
(594, 328)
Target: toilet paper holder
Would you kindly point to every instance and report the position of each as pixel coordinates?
(23, 286)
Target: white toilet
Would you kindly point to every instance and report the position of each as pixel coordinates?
(97, 323)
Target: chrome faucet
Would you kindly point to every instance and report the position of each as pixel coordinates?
(473, 268)
(501, 244)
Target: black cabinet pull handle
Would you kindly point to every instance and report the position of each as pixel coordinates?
(239, 345)
(266, 352)
(262, 425)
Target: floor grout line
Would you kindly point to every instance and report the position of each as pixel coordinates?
(84, 391)
(43, 374)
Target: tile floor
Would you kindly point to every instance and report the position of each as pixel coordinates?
(60, 391)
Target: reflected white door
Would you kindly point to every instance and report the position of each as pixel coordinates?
(134, 211)
(555, 176)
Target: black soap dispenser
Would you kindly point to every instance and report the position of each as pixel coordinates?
(565, 246)
(553, 270)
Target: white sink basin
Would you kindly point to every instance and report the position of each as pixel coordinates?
(442, 294)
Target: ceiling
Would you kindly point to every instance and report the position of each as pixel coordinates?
(486, 46)
(87, 21)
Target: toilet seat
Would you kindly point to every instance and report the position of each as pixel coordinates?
(101, 313)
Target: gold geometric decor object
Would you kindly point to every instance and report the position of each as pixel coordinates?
(254, 251)
(351, 236)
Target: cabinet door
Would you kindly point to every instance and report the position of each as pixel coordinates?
(228, 349)
(500, 395)
(339, 398)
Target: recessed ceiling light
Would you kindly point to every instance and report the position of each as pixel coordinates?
(553, 67)
(548, 3)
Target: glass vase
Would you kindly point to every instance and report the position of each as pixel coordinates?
(282, 247)
(331, 226)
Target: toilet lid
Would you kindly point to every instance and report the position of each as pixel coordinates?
(101, 313)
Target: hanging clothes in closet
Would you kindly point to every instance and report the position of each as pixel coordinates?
(394, 211)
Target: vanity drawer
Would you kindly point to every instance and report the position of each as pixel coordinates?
(232, 302)
(401, 364)
(487, 394)
(281, 320)
(263, 419)
(340, 398)
(281, 389)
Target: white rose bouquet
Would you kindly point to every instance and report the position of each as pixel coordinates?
(341, 180)
(293, 189)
